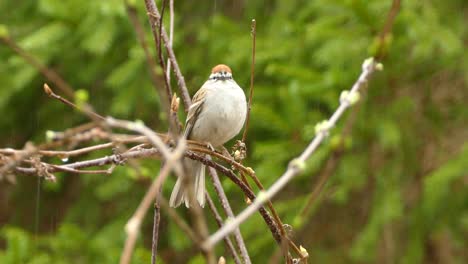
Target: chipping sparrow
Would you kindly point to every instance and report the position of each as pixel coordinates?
(216, 115)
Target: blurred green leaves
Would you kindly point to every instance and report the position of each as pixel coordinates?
(401, 166)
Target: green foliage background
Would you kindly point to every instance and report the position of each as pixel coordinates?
(399, 191)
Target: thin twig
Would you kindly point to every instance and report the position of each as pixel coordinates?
(297, 165)
(164, 95)
(112, 159)
(86, 110)
(387, 30)
(142, 129)
(28, 151)
(227, 240)
(172, 119)
(75, 135)
(75, 152)
(65, 169)
(159, 51)
(50, 74)
(232, 162)
(229, 213)
(154, 16)
(156, 222)
(171, 36)
(252, 74)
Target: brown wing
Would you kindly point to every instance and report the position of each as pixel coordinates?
(194, 111)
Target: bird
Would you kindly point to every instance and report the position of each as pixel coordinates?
(217, 115)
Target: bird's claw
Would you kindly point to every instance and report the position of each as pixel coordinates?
(210, 147)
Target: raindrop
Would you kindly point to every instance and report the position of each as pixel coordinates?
(64, 158)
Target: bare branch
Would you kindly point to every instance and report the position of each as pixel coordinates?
(252, 71)
(49, 73)
(164, 95)
(133, 225)
(11, 163)
(113, 159)
(76, 152)
(171, 36)
(142, 129)
(160, 55)
(219, 221)
(154, 17)
(156, 222)
(85, 109)
(196, 211)
(386, 31)
(65, 169)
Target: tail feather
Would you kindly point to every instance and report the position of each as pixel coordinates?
(179, 194)
(200, 185)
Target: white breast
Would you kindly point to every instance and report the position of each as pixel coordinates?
(223, 113)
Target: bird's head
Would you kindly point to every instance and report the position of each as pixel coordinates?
(221, 72)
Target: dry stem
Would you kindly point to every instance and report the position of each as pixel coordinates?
(154, 17)
(133, 225)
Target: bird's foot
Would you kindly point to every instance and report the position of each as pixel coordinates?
(210, 147)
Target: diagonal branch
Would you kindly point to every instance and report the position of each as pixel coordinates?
(247, 191)
(219, 221)
(50, 74)
(86, 109)
(133, 225)
(229, 213)
(387, 30)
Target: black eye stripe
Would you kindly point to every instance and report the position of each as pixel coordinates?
(221, 78)
(221, 75)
